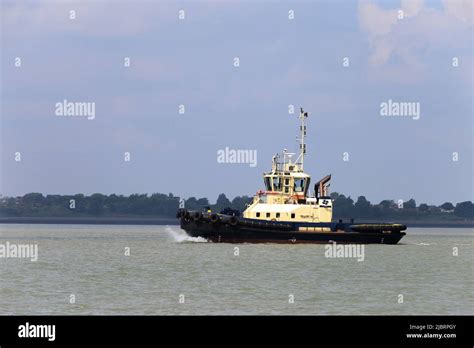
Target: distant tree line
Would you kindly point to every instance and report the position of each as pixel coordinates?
(345, 208)
(156, 204)
(162, 205)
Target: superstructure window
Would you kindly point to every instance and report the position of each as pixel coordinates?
(268, 215)
(277, 215)
(299, 185)
(257, 214)
(292, 215)
(268, 185)
(307, 181)
(276, 183)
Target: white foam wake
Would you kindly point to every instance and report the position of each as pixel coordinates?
(180, 236)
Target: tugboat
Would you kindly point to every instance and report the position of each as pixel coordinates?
(285, 213)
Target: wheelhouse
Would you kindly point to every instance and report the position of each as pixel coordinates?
(287, 183)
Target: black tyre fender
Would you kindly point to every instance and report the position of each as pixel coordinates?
(233, 221)
(197, 215)
(214, 218)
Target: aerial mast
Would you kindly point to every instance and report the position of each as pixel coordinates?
(303, 116)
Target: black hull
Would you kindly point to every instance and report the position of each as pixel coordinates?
(238, 231)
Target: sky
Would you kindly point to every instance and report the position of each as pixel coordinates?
(340, 60)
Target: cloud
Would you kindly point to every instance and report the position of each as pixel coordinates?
(375, 20)
(461, 9)
(405, 35)
(411, 8)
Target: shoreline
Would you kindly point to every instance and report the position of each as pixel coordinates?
(90, 220)
(174, 221)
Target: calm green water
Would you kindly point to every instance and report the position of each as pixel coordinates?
(89, 262)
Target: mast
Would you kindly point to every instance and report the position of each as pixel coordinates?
(302, 117)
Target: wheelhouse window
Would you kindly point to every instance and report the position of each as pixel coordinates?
(276, 183)
(299, 185)
(268, 185)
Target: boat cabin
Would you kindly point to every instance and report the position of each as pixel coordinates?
(286, 195)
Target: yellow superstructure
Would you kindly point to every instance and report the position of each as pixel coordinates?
(286, 195)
